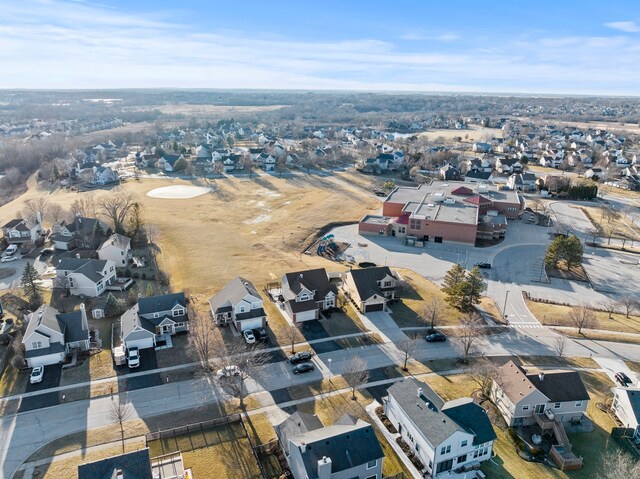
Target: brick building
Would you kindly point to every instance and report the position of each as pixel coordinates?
(444, 212)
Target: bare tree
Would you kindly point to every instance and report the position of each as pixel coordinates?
(202, 337)
(408, 347)
(292, 333)
(36, 208)
(629, 305)
(433, 311)
(116, 207)
(356, 374)
(559, 344)
(619, 464)
(152, 233)
(120, 412)
(582, 317)
(467, 334)
(55, 213)
(248, 363)
(84, 206)
(482, 372)
(610, 307)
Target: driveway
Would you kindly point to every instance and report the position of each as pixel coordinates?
(148, 362)
(612, 366)
(51, 379)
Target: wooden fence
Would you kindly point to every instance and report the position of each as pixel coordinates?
(189, 428)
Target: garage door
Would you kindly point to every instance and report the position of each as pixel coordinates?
(250, 324)
(45, 360)
(140, 343)
(306, 316)
(374, 307)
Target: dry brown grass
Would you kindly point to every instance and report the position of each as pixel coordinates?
(635, 367)
(602, 336)
(491, 308)
(471, 135)
(558, 315)
(614, 225)
(556, 362)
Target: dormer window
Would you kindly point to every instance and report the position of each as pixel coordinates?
(303, 297)
(178, 312)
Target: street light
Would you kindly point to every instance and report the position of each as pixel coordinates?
(330, 372)
(504, 308)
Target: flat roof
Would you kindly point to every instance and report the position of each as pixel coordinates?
(438, 190)
(376, 220)
(458, 213)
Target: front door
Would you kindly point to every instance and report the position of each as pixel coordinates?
(166, 329)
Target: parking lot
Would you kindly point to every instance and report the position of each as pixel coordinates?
(612, 272)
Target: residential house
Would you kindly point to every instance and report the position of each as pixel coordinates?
(307, 293)
(595, 173)
(371, 288)
(265, 161)
(521, 396)
(550, 161)
(239, 303)
(116, 248)
(348, 449)
(481, 147)
(508, 165)
(522, 182)
(478, 176)
(446, 436)
(449, 172)
(203, 153)
(21, 231)
(130, 465)
(168, 162)
(84, 233)
(88, 277)
(50, 335)
(103, 175)
(626, 406)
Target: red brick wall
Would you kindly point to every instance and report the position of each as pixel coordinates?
(392, 209)
(461, 233)
(371, 229)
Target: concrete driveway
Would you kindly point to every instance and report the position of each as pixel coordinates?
(612, 366)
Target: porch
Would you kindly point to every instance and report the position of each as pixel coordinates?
(163, 341)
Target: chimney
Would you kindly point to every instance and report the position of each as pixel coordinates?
(541, 376)
(119, 474)
(38, 218)
(83, 318)
(419, 392)
(324, 468)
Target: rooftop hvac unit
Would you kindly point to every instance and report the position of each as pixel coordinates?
(449, 201)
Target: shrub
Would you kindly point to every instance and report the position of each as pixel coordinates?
(18, 362)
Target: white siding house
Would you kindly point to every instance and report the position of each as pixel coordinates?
(116, 248)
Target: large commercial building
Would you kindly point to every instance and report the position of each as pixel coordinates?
(445, 212)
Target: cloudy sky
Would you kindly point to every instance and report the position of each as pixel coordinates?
(525, 46)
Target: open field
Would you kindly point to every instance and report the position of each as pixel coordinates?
(252, 228)
(557, 315)
(615, 225)
(470, 135)
(215, 110)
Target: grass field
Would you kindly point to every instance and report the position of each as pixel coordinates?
(470, 135)
(557, 315)
(615, 225)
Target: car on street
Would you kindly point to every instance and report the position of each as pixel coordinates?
(483, 265)
(303, 368)
(37, 373)
(261, 334)
(623, 379)
(133, 357)
(229, 371)
(300, 357)
(435, 338)
(248, 336)
(8, 259)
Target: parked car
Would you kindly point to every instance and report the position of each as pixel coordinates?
(303, 368)
(435, 338)
(623, 379)
(260, 334)
(248, 336)
(46, 252)
(8, 259)
(300, 357)
(228, 371)
(11, 250)
(483, 265)
(37, 373)
(133, 357)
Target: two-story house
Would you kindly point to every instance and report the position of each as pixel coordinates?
(50, 335)
(306, 293)
(521, 396)
(371, 288)
(239, 303)
(85, 233)
(103, 175)
(348, 449)
(116, 248)
(152, 318)
(445, 436)
(168, 162)
(626, 406)
(88, 277)
(130, 465)
(21, 231)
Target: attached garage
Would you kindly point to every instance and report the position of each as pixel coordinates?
(141, 339)
(44, 359)
(252, 323)
(301, 316)
(370, 308)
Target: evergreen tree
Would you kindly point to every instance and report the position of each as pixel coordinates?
(454, 286)
(112, 306)
(474, 286)
(553, 252)
(572, 251)
(30, 287)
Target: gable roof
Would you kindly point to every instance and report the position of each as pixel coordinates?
(313, 279)
(560, 386)
(366, 280)
(130, 320)
(163, 302)
(46, 316)
(91, 268)
(82, 225)
(478, 200)
(13, 223)
(233, 292)
(117, 240)
(171, 159)
(472, 418)
(462, 191)
(298, 423)
(481, 175)
(134, 465)
(633, 395)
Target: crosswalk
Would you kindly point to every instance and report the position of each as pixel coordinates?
(535, 325)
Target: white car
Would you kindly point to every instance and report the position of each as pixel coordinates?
(8, 259)
(37, 373)
(229, 371)
(133, 357)
(248, 336)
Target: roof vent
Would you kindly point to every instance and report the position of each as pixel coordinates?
(541, 376)
(419, 392)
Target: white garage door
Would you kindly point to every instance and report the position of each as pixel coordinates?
(306, 316)
(250, 324)
(45, 360)
(140, 343)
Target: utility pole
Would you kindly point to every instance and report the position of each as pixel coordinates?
(504, 308)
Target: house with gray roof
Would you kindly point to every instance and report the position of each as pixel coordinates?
(85, 233)
(132, 465)
(445, 435)
(348, 449)
(239, 303)
(50, 335)
(626, 406)
(371, 288)
(19, 231)
(116, 248)
(306, 293)
(82, 276)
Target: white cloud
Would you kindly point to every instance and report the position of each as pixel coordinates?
(628, 27)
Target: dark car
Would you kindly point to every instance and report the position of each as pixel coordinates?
(381, 193)
(46, 252)
(623, 379)
(303, 368)
(300, 357)
(435, 338)
(260, 334)
(484, 265)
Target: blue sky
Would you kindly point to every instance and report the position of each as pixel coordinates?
(527, 46)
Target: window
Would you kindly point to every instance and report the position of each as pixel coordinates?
(414, 224)
(557, 405)
(579, 404)
(178, 312)
(372, 464)
(463, 443)
(156, 315)
(443, 450)
(36, 344)
(461, 458)
(121, 253)
(525, 407)
(417, 447)
(304, 297)
(373, 477)
(387, 284)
